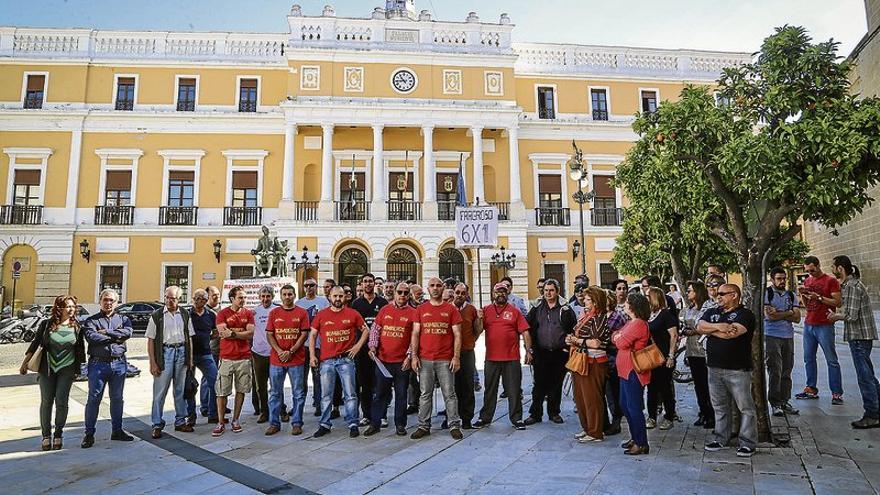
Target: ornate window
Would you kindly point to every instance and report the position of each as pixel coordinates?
(351, 265)
(402, 265)
(452, 264)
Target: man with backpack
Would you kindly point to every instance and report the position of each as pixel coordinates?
(781, 311)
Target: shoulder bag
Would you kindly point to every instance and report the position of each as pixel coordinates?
(648, 358)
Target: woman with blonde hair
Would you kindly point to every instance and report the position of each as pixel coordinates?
(60, 341)
(591, 338)
(663, 325)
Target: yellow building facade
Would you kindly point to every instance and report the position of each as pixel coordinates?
(137, 160)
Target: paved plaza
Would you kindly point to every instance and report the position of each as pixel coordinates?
(825, 456)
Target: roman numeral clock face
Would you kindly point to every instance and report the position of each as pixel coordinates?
(404, 81)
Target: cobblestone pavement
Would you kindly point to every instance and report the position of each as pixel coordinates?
(825, 456)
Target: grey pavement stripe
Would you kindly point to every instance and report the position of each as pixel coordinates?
(252, 478)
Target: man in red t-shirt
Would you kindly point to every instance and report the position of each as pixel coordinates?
(235, 325)
(503, 324)
(338, 327)
(436, 356)
(286, 330)
(390, 341)
(820, 294)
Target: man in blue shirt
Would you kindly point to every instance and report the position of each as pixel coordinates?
(204, 323)
(780, 312)
(106, 333)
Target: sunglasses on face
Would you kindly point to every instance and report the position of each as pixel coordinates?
(722, 294)
(402, 292)
(713, 285)
(309, 285)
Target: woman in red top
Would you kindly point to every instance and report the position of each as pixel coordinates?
(633, 337)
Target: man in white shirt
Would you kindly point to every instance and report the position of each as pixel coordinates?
(169, 346)
(260, 351)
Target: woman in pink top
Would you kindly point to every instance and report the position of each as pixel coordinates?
(632, 337)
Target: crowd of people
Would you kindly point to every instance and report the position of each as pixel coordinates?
(384, 341)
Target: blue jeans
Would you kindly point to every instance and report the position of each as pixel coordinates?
(174, 370)
(344, 368)
(821, 336)
(400, 381)
(868, 384)
(208, 395)
(631, 398)
(276, 394)
(102, 374)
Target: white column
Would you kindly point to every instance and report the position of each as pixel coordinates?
(479, 188)
(378, 209)
(517, 208)
(429, 203)
(327, 163)
(289, 146)
(325, 207)
(70, 202)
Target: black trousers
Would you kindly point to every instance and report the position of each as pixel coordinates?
(316, 380)
(399, 381)
(260, 385)
(549, 371)
(366, 376)
(464, 386)
(612, 393)
(510, 374)
(661, 391)
(701, 386)
(415, 391)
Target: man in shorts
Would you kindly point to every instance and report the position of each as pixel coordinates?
(235, 324)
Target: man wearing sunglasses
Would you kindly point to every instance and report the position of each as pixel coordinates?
(313, 303)
(390, 341)
(730, 327)
(471, 327)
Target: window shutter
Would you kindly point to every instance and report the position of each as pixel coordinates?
(549, 184)
(183, 175)
(187, 81)
(248, 83)
(125, 81)
(244, 180)
(118, 180)
(602, 186)
(27, 177)
(36, 83)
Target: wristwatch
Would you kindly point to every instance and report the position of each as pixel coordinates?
(233, 333)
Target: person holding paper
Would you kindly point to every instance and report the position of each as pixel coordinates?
(390, 339)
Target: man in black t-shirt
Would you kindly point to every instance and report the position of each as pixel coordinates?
(368, 306)
(730, 327)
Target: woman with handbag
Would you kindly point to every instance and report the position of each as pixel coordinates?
(663, 325)
(631, 339)
(588, 361)
(56, 354)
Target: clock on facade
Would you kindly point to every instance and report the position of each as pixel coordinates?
(404, 80)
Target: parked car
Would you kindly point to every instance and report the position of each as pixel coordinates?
(139, 312)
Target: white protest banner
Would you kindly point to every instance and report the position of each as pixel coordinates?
(252, 288)
(476, 226)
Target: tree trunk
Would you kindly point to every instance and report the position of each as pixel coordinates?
(753, 298)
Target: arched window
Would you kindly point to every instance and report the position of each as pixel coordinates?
(351, 265)
(452, 264)
(402, 265)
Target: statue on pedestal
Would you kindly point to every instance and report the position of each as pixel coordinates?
(264, 255)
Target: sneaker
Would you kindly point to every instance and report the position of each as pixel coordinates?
(837, 399)
(401, 431)
(322, 430)
(420, 433)
(121, 436)
(578, 436)
(789, 409)
(456, 433)
(271, 430)
(372, 430)
(778, 412)
(236, 426)
(650, 423)
(588, 439)
(480, 423)
(296, 430)
(714, 447)
(665, 424)
(156, 432)
(745, 452)
(865, 423)
(219, 430)
(364, 422)
(808, 394)
(384, 423)
(353, 431)
(519, 425)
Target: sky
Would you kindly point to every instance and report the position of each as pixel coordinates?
(735, 25)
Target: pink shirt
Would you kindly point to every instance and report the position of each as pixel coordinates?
(632, 337)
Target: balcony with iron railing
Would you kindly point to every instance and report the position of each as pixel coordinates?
(21, 214)
(351, 211)
(178, 215)
(552, 216)
(606, 217)
(114, 215)
(242, 216)
(305, 211)
(503, 210)
(404, 210)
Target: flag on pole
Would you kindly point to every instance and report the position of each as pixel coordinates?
(460, 193)
(352, 182)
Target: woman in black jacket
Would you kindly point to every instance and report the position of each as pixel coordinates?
(63, 351)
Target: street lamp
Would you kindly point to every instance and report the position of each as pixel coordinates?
(575, 249)
(84, 250)
(217, 245)
(306, 263)
(503, 260)
(577, 170)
